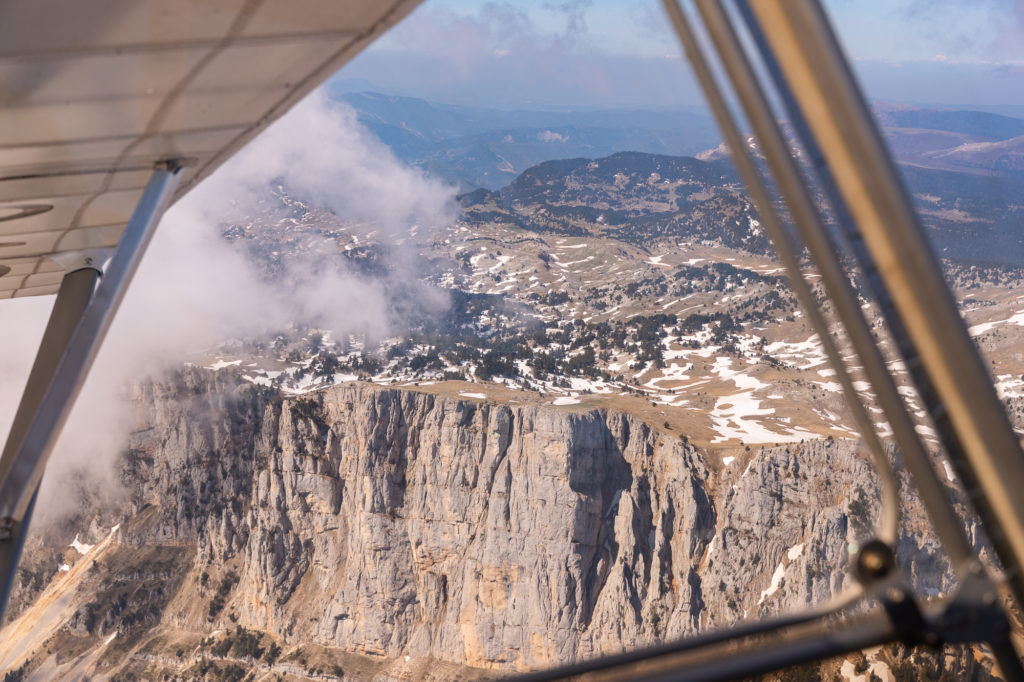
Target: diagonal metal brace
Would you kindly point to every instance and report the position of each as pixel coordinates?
(974, 613)
(80, 321)
(26, 470)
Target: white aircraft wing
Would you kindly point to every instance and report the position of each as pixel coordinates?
(94, 93)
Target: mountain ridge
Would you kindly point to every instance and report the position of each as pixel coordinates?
(489, 526)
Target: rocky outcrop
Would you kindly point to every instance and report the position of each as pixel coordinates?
(395, 523)
(403, 523)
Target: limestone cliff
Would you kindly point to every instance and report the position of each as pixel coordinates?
(402, 526)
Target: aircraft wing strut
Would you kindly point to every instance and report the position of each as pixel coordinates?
(109, 112)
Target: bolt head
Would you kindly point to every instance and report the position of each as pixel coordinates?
(873, 562)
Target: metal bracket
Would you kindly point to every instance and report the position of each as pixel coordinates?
(974, 614)
(875, 568)
(87, 258)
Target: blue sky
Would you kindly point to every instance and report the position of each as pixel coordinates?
(621, 52)
(898, 30)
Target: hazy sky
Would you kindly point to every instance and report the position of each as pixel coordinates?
(621, 52)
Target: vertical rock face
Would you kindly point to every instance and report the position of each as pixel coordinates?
(401, 523)
(398, 523)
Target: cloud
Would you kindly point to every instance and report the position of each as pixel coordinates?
(195, 290)
(575, 12)
(613, 54)
(551, 136)
(556, 54)
(977, 32)
(23, 320)
(324, 156)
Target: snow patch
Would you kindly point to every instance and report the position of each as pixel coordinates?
(802, 355)
(780, 571)
(221, 364)
(1009, 386)
(979, 329)
(80, 547)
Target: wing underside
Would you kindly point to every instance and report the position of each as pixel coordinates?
(90, 103)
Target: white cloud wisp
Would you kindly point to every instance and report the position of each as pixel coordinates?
(195, 290)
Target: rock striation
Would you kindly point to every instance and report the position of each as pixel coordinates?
(393, 523)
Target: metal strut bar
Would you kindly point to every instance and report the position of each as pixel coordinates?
(76, 289)
(970, 573)
(972, 614)
(62, 365)
(818, 75)
(787, 254)
(813, 233)
(808, 224)
(759, 648)
(743, 650)
(855, 242)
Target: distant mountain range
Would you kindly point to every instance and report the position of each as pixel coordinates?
(631, 196)
(974, 142)
(533, 169)
(481, 147)
(979, 123)
(644, 198)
